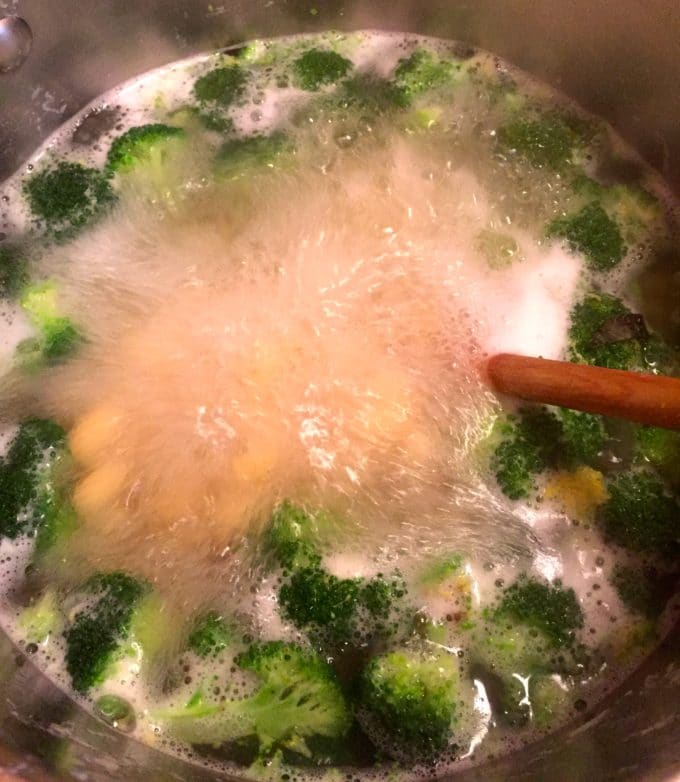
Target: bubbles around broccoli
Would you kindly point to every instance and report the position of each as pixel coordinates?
(221, 86)
(318, 67)
(67, 196)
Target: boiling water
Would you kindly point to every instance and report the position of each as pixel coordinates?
(310, 328)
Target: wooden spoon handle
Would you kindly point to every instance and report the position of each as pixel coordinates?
(645, 399)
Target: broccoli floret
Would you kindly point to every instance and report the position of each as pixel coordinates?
(314, 599)
(552, 610)
(58, 336)
(546, 141)
(537, 440)
(593, 233)
(188, 116)
(529, 445)
(584, 436)
(528, 638)
(241, 156)
(292, 537)
(421, 71)
(659, 448)
(370, 93)
(41, 619)
(317, 67)
(211, 635)
(644, 589)
(298, 698)
(96, 635)
(409, 702)
(140, 145)
(13, 272)
(66, 196)
(640, 514)
(633, 208)
(604, 332)
(30, 494)
(222, 86)
(513, 659)
(329, 609)
(335, 612)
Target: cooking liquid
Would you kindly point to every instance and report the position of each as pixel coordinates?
(310, 330)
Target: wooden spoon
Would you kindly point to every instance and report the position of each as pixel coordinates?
(645, 399)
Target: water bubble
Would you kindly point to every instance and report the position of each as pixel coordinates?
(16, 39)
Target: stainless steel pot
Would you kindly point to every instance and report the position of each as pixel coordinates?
(620, 60)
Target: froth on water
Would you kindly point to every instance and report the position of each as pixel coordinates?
(312, 332)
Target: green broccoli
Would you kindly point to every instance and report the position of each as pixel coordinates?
(41, 619)
(221, 86)
(441, 570)
(211, 635)
(592, 232)
(297, 698)
(55, 527)
(409, 701)
(30, 478)
(659, 448)
(529, 445)
(239, 156)
(317, 67)
(67, 196)
(141, 144)
(95, 638)
(58, 336)
(420, 72)
(604, 332)
(584, 436)
(292, 536)
(538, 439)
(549, 140)
(319, 602)
(528, 639)
(551, 610)
(369, 94)
(214, 120)
(330, 609)
(634, 209)
(13, 272)
(644, 589)
(640, 514)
